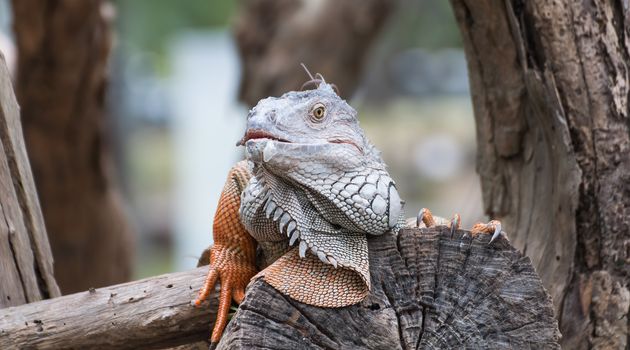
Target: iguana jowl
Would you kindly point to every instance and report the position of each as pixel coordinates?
(310, 192)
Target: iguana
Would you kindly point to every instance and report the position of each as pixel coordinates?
(310, 192)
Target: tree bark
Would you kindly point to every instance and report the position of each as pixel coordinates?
(550, 85)
(330, 37)
(430, 290)
(26, 264)
(63, 48)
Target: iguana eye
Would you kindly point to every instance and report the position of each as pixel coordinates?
(319, 112)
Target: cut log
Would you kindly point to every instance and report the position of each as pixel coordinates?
(26, 264)
(429, 291)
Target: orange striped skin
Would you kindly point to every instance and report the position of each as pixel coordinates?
(233, 256)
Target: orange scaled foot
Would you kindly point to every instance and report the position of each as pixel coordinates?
(234, 276)
(426, 217)
(493, 227)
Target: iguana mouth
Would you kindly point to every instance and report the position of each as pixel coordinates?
(257, 134)
(347, 142)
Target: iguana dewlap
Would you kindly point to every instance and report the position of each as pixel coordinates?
(310, 192)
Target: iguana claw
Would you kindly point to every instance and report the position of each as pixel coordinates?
(497, 231)
(455, 222)
(493, 227)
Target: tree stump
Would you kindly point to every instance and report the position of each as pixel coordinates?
(430, 290)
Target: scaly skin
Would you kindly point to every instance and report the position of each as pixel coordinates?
(233, 256)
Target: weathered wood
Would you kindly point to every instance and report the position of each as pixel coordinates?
(61, 84)
(26, 265)
(550, 89)
(147, 314)
(430, 290)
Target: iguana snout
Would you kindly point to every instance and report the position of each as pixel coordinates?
(306, 117)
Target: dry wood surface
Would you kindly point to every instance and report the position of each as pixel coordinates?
(147, 314)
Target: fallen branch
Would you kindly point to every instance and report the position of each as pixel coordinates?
(152, 313)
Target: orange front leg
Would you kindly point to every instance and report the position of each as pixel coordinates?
(233, 256)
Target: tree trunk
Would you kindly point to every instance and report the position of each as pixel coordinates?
(550, 85)
(430, 290)
(26, 265)
(330, 37)
(63, 48)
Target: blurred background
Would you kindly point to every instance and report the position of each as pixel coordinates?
(181, 76)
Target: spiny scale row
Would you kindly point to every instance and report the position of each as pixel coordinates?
(288, 225)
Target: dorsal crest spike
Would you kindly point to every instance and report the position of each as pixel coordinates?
(307, 71)
(320, 77)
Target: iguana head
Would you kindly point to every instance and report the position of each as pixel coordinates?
(308, 117)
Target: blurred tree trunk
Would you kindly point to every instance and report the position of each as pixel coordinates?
(330, 37)
(63, 48)
(550, 84)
